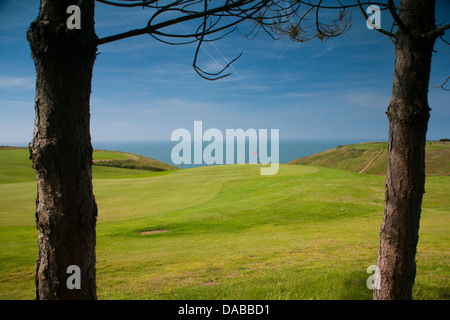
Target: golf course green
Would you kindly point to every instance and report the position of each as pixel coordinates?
(227, 232)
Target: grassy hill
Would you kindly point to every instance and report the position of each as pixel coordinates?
(15, 165)
(229, 233)
(127, 160)
(371, 158)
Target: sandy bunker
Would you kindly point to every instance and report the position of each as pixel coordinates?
(154, 231)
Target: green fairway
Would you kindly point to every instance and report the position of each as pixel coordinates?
(15, 165)
(230, 233)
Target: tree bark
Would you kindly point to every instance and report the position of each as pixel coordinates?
(408, 115)
(61, 149)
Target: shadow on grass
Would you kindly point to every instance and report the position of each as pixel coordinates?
(355, 285)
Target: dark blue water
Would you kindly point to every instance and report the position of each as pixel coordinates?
(161, 150)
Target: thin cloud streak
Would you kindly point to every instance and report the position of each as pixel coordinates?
(17, 83)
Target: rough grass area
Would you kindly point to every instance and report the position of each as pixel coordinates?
(136, 162)
(15, 165)
(355, 157)
(130, 161)
(305, 233)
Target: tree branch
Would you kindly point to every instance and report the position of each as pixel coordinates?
(278, 18)
(134, 3)
(395, 16)
(150, 29)
(387, 33)
(344, 6)
(436, 32)
(443, 40)
(442, 85)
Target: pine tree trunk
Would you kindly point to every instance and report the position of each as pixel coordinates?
(408, 115)
(61, 149)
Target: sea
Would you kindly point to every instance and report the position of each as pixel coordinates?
(161, 150)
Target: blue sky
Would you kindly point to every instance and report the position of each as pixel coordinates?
(143, 89)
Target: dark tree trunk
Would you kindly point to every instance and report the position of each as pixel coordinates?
(61, 149)
(408, 115)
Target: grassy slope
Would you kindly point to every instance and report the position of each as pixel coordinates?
(355, 157)
(234, 234)
(15, 166)
(130, 161)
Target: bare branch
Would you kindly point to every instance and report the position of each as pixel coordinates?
(447, 43)
(149, 29)
(442, 85)
(341, 6)
(213, 18)
(387, 33)
(129, 3)
(436, 32)
(198, 70)
(300, 20)
(395, 16)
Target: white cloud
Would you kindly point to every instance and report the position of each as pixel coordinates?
(24, 83)
(17, 105)
(328, 49)
(368, 99)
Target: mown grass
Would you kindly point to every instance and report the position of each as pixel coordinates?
(15, 165)
(305, 233)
